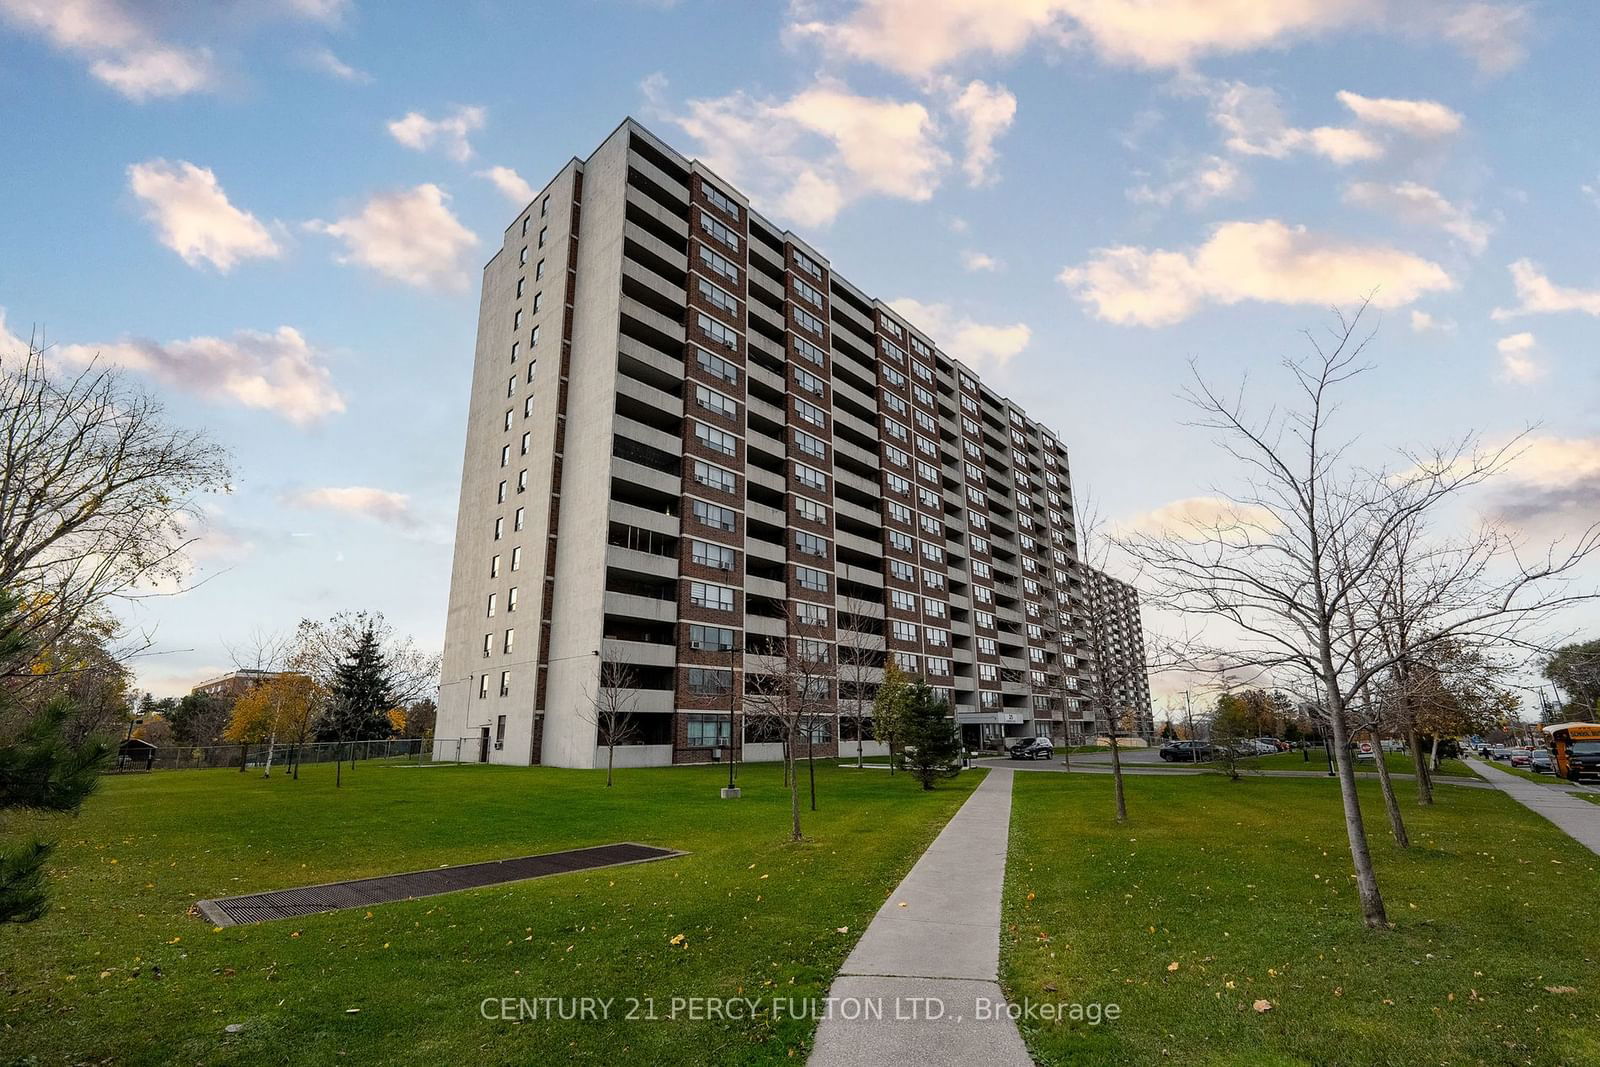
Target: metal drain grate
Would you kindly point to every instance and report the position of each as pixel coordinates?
(334, 896)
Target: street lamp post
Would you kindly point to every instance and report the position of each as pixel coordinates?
(732, 790)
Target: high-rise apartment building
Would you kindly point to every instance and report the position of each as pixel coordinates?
(1114, 640)
(690, 441)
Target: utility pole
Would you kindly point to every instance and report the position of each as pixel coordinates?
(732, 790)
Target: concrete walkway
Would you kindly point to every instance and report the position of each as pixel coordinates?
(927, 964)
(1578, 818)
(1179, 770)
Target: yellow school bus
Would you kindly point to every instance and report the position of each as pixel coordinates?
(1575, 748)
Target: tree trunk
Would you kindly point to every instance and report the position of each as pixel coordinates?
(1390, 802)
(611, 759)
(794, 796)
(244, 756)
(272, 746)
(1434, 757)
(1424, 779)
(811, 772)
(1116, 777)
(860, 729)
(338, 766)
(1372, 911)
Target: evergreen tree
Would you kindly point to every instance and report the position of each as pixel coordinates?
(362, 693)
(928, 736)
(41, 770)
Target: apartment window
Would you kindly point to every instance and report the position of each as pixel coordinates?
(544, 207)
(811, 446)
(516, 558)
(719, 263)
(492, 601)
(981, 569)
(899, 512)
(893, 351)
(929, 499)
(901, 570)
(522, 259)
(893, 327)
(516, 521)
(897, 457)
(983, 620)
(896, 483)
(896, 430)
(894, 403)
(511, 639)
(483, 686)
(920, 347)
(714, 401)
(706, 682)
(933, 579)
(809, 293)
(932, 552)
(511, 386)
(538, 302)
(533, 339)
(719, 198)
(975, 495)
(969, 404)
(901, 600)
(808, 351)
(494, 565)
(892, 376)
(524, 226)
(980, 544)
(544, 232)
(811, 477)
(499, 528)
(522, 449)
(511, 599)
(505, 455)
(717, 366)
(813, 651)
(505, 691)
(988, 647)
(711, 515)
(983, 594)
(807, 320)
(931, 525)
(521, 284)
(522, 480)
(500, 494)
(933, 608)
(717, 331)
(938, 665)
(901, 541)
(710, 638)
(904, 631)
(937, 638)
(712, 597)
(927, 471)
(810, 412)
(925, 422)
(971, 449)
(810, 614)
(488, 645)
(717, 297)
(707, 731)
(716, 440)
(988, 672)
(718, 230)
(810, 544)
(714, 477)
(516, 349)
(907, 662)
(926, 446)
(812, 579)
(807, 508)
(807, 264)
(717, 557)
(1036, 655)
(527, 408)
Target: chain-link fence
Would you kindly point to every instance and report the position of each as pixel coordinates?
(139, 757)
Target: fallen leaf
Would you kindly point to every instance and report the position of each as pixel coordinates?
(1172, 966)
(1262, 1006)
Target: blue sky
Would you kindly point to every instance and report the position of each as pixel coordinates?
(273, 213)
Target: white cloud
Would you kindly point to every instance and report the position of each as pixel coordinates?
(1212, 178)
(975, 261)
(1422, 322)
(1419, 205)
(277, 372)
(1194, 514)
(1265, 261)
(324, 60)
(124, 42)
(511, 184)
(1553, 485)
(815, 152)
(410, 236)
(420, 133)
(1538, 294)
(1254, 124)
(382, 505)
(1418, 118)
(194, 217)
(1516, 358)
(982, 346)
(985, 111)
(922, 37)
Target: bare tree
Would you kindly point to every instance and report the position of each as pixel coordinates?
(98, 496)
(795, 697)
(861, 659)
(611, 706)
(1272, 572)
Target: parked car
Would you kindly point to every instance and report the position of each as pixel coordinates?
(1500, 752)
(1262, 747)
(1521, 757)
(1540, 762)
(1032, 748)
(1277, 745)
(1186, 751)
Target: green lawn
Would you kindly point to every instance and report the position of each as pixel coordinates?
(1217, 894)
(119, 972)
(1399, 763)
(1523, 772)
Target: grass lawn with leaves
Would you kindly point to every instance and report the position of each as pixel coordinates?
(1218, 894)
(119, 971)
(1399, 763)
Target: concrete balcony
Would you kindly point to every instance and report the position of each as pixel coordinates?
(644, 519)
(643, 653)
(641, 607)
(641, 562)
(639, 474)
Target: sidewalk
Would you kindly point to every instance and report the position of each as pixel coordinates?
(927, 964)
(1578, 818)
